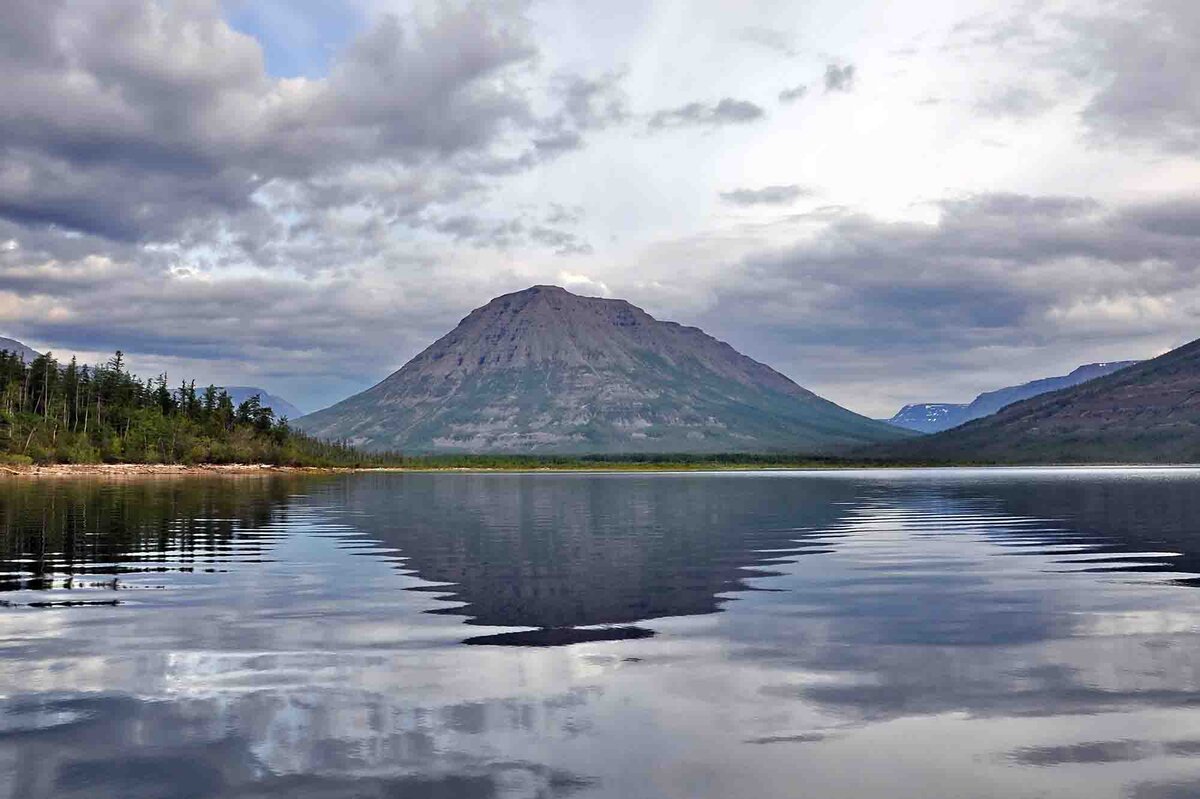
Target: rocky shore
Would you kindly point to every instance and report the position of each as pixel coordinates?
(119, 470)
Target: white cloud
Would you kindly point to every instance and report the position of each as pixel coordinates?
(583, 284)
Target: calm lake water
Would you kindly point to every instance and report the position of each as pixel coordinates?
(940, 633)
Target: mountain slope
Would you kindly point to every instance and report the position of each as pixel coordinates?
(544, 370)
(12, 345)
(1148, 412)
(935, 417)
(279, 405)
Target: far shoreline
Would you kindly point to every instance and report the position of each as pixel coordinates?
(150, 470)
(127, 470)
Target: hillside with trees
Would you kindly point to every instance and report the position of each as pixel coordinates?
(1145, 413)
(55, 413)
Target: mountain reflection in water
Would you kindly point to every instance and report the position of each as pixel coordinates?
(901, 633)
(557, 551)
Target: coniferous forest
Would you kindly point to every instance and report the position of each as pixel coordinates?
(55, 413)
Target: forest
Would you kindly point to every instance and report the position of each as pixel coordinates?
(55, 413)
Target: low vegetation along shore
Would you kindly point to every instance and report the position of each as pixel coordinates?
(448, 463)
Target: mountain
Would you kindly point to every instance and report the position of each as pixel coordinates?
(1145, 413)
(935, 417)
(929, 417)
(12, 345)
(547, 371)
(279, 405)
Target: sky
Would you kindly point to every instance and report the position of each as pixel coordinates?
(887, 202)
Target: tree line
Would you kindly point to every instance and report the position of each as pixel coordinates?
(56, 413)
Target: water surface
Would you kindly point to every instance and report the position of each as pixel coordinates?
(925, 633)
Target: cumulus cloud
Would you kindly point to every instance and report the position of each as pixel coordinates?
(839, 78)
(141, 122)
(726, 112)
(767, 195)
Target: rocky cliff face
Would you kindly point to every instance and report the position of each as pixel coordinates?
(545, 370)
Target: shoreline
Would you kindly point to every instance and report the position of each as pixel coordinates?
(125, 470)
(142, 470)
(154, 470)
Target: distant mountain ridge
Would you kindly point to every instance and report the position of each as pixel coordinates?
(1145, 413)
(936, 417)
(26, 352)
(929, 417)
(279, 405)
(545, 370)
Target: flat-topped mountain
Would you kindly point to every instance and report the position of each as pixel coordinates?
(929, 417)
(1147, 412)
(933, 417)
(545, 370)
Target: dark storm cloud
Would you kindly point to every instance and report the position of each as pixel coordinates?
(768, 195)
(140, 122)
(839, 78)
(793, 94)
(726, 112)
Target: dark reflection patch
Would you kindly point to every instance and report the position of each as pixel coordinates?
(561, 636)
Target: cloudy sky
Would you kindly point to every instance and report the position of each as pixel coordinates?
(888, 202)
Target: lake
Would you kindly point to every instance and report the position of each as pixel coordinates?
(886, 633)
